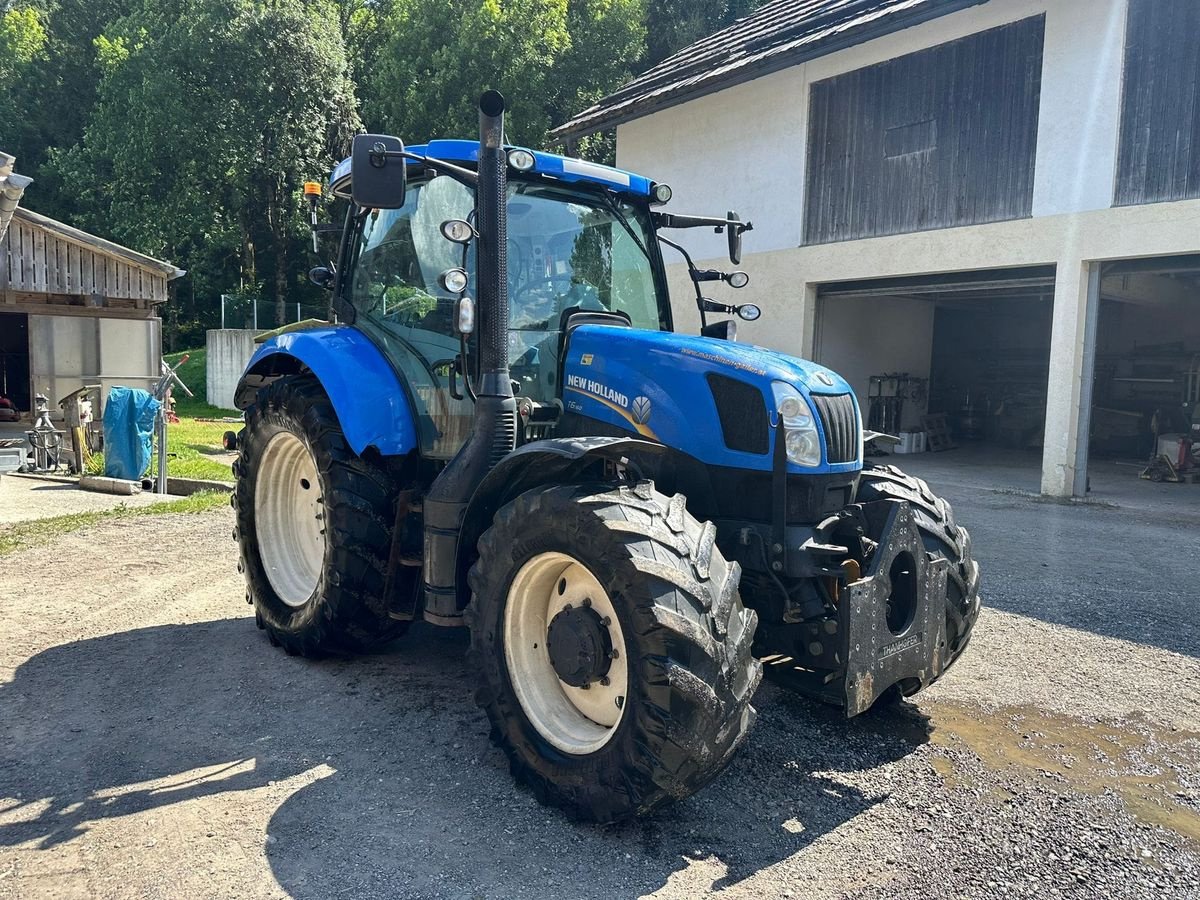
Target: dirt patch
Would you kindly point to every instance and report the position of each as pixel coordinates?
(154, 745)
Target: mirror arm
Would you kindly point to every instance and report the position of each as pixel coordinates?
(460, 173)
(692, 271)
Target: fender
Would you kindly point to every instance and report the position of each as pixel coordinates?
(371, 403)
(554, 461)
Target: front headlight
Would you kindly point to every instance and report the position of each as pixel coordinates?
(801, 440)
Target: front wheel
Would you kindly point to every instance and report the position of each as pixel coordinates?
(314, 525)
(943, 538)
(611, 646)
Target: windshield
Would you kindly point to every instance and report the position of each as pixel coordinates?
(567, 249)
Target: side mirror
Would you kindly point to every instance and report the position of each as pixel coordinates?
(377, 173)
(733, 234)
(322, 277)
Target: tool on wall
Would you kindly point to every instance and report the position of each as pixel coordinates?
(886, 396)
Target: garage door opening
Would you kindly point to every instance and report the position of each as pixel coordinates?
(957, 360)
(14, 363)
(1146, 387)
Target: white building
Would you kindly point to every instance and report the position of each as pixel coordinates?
(1002, 196)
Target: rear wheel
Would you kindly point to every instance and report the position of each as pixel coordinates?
(314, 525)
(611, 646)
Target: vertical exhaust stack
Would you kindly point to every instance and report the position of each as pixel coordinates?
(494, 433)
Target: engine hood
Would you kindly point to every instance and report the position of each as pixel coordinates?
(659, 385)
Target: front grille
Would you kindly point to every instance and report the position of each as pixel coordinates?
(840, 424)
(742, 410)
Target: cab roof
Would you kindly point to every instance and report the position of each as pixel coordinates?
(562, 168)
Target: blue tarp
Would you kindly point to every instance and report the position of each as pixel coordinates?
(128, 426)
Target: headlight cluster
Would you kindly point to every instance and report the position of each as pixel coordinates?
(801, 439)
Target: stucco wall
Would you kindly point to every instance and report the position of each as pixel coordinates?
(229, 349)
(744, 149)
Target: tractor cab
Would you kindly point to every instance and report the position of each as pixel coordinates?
(574, 244)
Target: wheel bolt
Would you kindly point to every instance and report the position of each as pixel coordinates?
(605, 681)
(585, 687)
(613, 654)
(606, 621)
(587, 601)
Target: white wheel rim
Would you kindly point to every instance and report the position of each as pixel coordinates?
(575, 720)
(289, 518)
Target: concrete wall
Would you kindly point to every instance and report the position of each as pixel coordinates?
(67, 352)
(744, 148)
(860, 337)
(229, 349)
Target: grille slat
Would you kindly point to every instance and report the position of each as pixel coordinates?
(743, 414)
(840, 424)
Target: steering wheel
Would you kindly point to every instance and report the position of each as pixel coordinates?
(550, 280)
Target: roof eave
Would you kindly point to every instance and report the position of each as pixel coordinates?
(583, 125)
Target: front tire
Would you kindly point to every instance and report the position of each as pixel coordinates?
(314, 525)
(943, 538)
(680, 682)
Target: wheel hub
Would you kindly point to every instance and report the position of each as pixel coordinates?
(580, 646)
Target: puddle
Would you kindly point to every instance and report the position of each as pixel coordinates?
(1134, 759)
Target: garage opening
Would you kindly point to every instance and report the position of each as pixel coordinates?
(1146, 390)
(956, 362)
(14, 365)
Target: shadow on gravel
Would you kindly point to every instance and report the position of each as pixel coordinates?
(409, 799)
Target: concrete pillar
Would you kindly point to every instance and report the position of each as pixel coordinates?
(1066, 418)
(808, 321)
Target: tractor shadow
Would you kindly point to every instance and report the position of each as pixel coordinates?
(399, 793)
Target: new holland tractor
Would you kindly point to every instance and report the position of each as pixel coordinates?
(503, 431)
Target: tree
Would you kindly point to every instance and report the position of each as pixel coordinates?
(22, 40)
(674, 24)
(549, 57)
(190, 153)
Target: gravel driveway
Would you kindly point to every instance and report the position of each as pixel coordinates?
(153, 745)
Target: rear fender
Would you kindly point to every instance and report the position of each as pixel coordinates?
(371, 403)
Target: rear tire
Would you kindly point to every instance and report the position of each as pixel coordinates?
(314, 525)
(943, 538)
(689, 674)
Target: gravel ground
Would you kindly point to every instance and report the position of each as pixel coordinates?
(154, 745)
(23, 499)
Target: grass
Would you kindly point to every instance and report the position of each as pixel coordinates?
(194, 373)
(194, 451)
(22, 535)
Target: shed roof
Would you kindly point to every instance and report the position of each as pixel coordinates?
(64, 230)
(780, 34)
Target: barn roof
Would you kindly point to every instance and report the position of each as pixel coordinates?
(66, 231)
(780, 34)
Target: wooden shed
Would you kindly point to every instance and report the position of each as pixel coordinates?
(75, 309)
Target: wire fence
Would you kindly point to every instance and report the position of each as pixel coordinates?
(260, 315)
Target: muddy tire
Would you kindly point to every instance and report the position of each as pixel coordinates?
(314, 525)
(608, 568)
(942, 538)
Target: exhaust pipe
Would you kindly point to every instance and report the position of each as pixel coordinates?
(494, 431)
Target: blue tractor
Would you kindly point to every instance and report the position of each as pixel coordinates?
(503, 431)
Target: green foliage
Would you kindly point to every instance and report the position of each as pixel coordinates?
(22, 41)
(184, 128)
(672, 24)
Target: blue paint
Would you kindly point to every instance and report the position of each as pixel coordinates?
(669, 369)
(371, 404)
(562, 168)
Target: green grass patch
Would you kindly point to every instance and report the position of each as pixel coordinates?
(23, 535)
(194, 373)
(194, 451)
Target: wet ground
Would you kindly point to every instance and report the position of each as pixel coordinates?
(153, 745)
